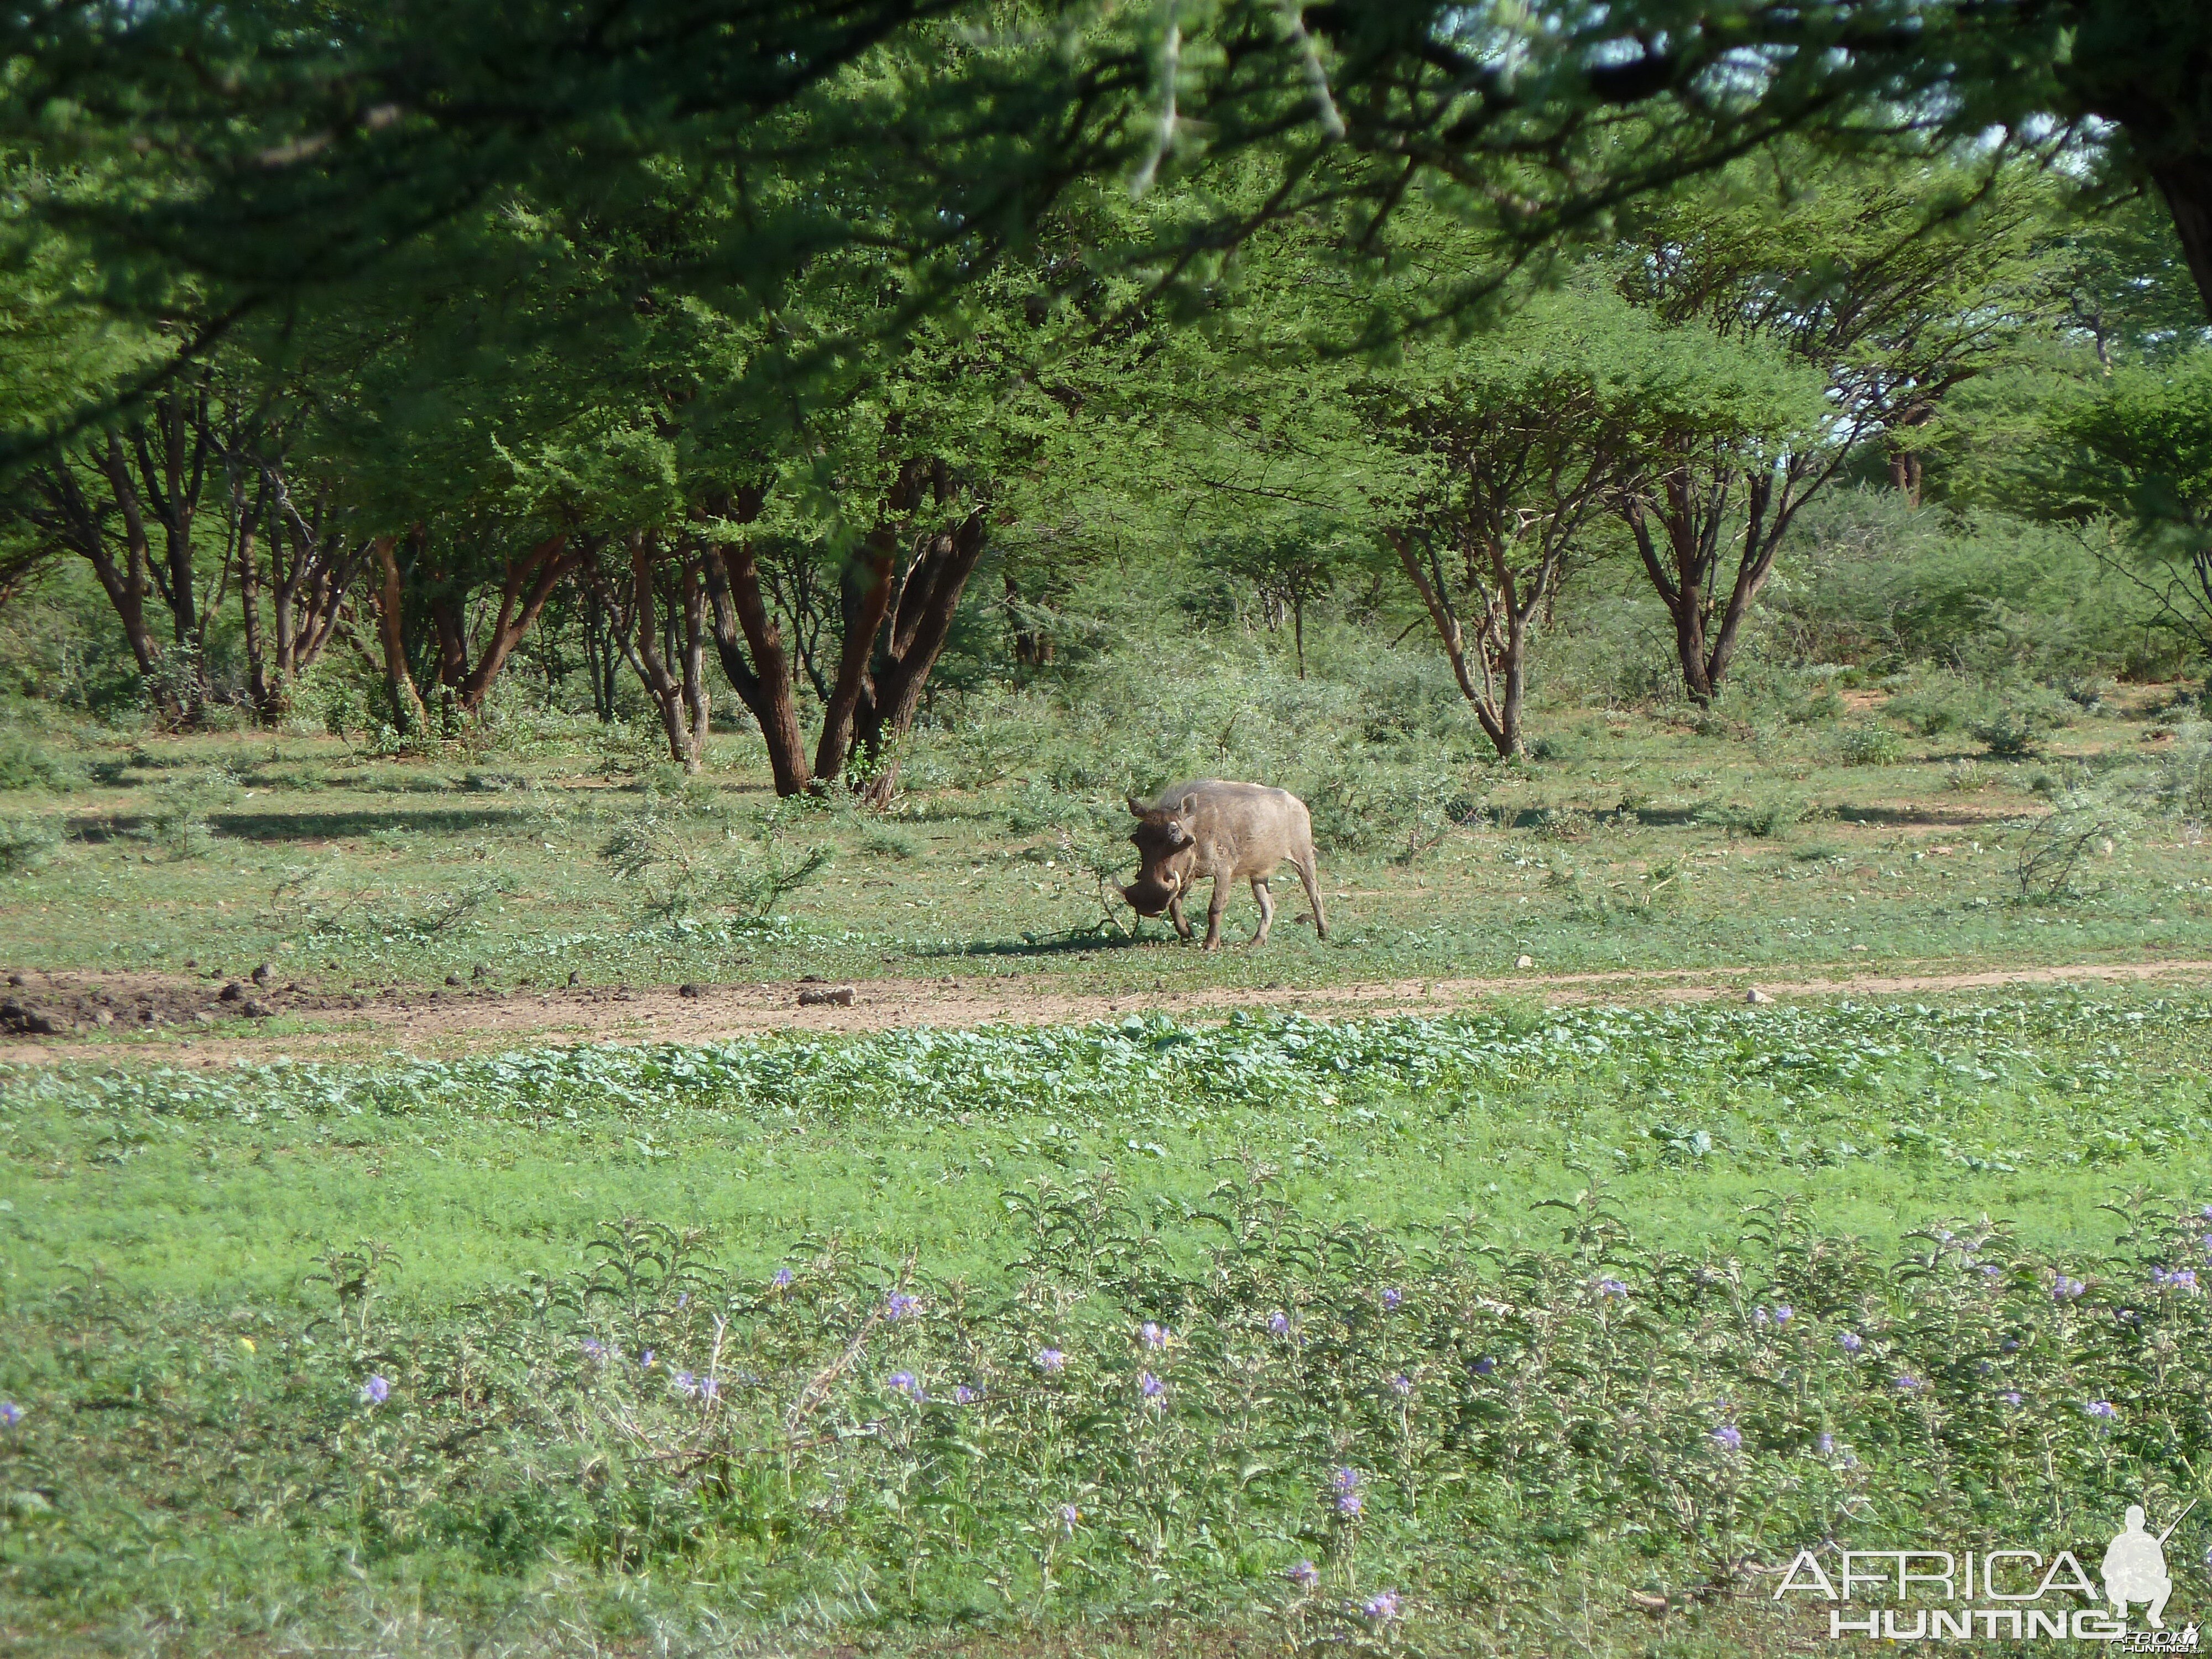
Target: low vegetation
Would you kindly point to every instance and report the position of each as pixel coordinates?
(1435, 1335)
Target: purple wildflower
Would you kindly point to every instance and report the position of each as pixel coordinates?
(2011, 1397)
(1279, 1323)
(10, 1413)
(1851, 1341)
(1990, 1270)
(1150, 1386)
(709, 1388)
(375, 1391)
(1051, 1361)
(1155, 1336)
(1782, 1313)
(906, 1383)
(2067, 1290)
(1393, 1296)
(686, 1383)
(1350, 1503)
(1303, 1574)
(901, 1306)
(1729, 1436)
(1907, 1383)
(783, 1279)
(1345, 1480)
(1401, 1385)
(1069, 1515)
(1484, 1366)
(2103, 1409)
(964, 1395)
(2181, 1279)
(595, 1349)
(684, 1298)
(1825, 1445)
(1382, 1607)
(1612, 1288)
(1759, 1317)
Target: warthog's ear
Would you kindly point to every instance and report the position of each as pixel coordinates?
(1189, 805)
(1133, 807)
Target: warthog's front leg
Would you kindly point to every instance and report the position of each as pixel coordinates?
(1214, 907)
(1267, 910)
(1175, 915)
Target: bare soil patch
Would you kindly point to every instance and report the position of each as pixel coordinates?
(175, 1020)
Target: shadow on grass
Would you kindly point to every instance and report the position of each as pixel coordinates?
(1045, 946)
(337, 825)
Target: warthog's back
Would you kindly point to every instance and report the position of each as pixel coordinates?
(1263, 823)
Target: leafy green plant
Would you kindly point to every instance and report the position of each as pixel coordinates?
(26, 763)
(27, 844)
(1760, 820)
(1866, 742)
(2050, 849)
(175, 819)
(2014, 723)
(673, 879)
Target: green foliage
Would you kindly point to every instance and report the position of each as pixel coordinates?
(1465, 1327)
(1770, 819)
(2013, 722)
(174, 821)
(674, 879)
(1866, 742)
(27, 844)
(26, 764)
(2184, 777)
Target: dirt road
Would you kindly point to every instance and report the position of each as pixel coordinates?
(173, 1019)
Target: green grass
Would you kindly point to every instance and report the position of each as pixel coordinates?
(1642, 844)
(202, 1269)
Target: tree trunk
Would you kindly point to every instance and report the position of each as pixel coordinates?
(450, 623)
(529, 582)
(1904, 475)
(743, 624)
(698, 705)
(2186, 185)
(636, 628)
(265, 711)
(928, 600)
(1502, 656)
(137, 570)
(391, 627)
(1031, 648)
(864, 595)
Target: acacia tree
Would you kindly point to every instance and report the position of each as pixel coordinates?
(1514, 449)
(2140, 450)
(1835, 268)
(1291, 563)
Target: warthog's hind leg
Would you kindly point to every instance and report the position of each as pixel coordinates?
(1267, 910)
(1310, 878)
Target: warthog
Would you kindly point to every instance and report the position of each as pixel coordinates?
(1229, 832)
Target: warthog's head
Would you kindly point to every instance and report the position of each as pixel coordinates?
(1167, 850)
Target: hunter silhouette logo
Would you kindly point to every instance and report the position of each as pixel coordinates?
(2135, 1567)
(1993, 1594)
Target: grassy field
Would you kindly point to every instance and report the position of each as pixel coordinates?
(1841, 841)
(1055, 1336)
(1507, 1328)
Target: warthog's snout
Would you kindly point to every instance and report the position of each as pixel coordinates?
(1148, 897)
